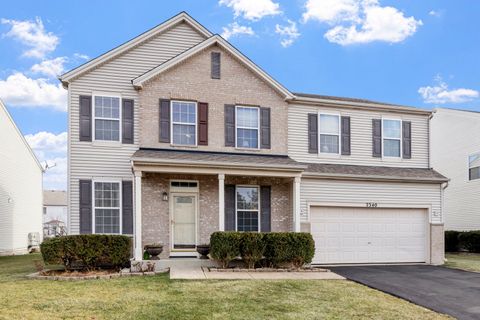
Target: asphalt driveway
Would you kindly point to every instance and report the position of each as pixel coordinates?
(450, 291)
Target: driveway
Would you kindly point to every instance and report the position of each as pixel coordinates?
(450, 291)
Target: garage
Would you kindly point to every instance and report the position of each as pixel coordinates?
(345, 235)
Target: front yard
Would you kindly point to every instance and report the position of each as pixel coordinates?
(161, 298)
(465, 261)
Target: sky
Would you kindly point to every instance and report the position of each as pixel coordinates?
(417, 53)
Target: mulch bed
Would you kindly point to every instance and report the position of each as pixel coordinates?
(64, 275)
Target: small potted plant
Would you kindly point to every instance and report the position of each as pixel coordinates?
(154, 250)
(203, 250)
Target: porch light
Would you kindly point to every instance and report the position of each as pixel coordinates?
(165, 196)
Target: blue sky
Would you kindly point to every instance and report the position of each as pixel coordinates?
(420, 53)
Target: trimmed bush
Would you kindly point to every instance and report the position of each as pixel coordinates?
(452, 243)
(88, 251)
(224, 247)
(470, 240)
(295, 248)
(252, 248)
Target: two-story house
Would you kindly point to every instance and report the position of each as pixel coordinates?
(176, 134)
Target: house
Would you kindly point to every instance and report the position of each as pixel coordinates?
(20, 190)
(176, 134)
(456, 152)
(55, 215)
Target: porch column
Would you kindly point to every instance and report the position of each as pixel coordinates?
(221, 202)
(138, 216)
(296, 204)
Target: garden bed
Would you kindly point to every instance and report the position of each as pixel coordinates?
(63, 275)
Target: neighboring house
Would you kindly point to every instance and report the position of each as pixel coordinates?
(456, 153)
(55, 215)
(20, 190)
(176, 134)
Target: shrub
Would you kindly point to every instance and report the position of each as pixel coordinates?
(224, 247)
(87, 251)
(252, 248)
(470, 240)
(452, 243)
(282, 248)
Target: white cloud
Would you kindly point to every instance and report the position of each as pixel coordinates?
(33, 35)
(252, 9)
(51, 150)
(441, 94)
(435, 13)
(360, 21)
(51, 68)
(234, 29)
(81, 56)
(20, 91)
(289, 33)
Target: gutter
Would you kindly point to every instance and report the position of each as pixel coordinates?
(371, 178)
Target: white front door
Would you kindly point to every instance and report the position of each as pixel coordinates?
(184, 226)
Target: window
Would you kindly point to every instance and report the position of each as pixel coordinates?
(247, 127)
(329, 133)
(107, 118)
(247, 208)
(392, 136)
(107, 207)
(474, 166)
(184, 123)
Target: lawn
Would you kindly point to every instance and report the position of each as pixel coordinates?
(159, 297)
(465, 261)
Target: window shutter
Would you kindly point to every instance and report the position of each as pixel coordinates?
(202, 124)
(127, 207)
(164, 120)
(265, 209)
(215, 72)
(229, 207)
(407, 139)
(85, 118)
(265, 128)
(229, 125)
(345, 136)
(127, 121)
(312, 133)
(85, 206)
(377, 138)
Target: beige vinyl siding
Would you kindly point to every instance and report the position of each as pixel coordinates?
(361, 137)
(360, 192)
(100, 159)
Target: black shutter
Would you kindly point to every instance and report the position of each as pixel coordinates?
(127, 207)
(265, 209)
(377, 138)
(85, 118)
(85, 206)
(127, 121)
(202, 124)
(215, 72)
(346, 136)
(312, 133)
(164, 120)
(407, 139)
(229, 125)
(229, 207)
(265, 128)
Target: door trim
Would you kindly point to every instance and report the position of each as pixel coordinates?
(171, 225)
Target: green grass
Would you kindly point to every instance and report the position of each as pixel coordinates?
(159, 297)
(464, 261)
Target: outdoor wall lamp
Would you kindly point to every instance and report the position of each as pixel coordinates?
(165, 196)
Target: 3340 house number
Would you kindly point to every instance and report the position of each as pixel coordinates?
(372, 204)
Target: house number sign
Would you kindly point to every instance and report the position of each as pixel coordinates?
(372, 204)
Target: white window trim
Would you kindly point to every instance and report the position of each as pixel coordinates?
(388, 138)
(469, 167)
(184, 123)
(120, 117)
(319, 146)
(120, 211)
(236, 203)
(239, 127)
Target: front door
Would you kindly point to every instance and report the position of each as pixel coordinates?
(184, 225)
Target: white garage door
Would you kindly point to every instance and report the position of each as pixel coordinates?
(368, 235)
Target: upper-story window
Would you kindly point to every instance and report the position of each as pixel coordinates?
(474, 166)
(247, 127)
(107, 118)
(392, 137)
(329, 126)
(184, 123)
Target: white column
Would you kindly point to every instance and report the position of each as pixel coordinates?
(138, 216)
(221, 202)
(296, 204)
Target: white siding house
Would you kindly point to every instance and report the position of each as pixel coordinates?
(20, 189)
